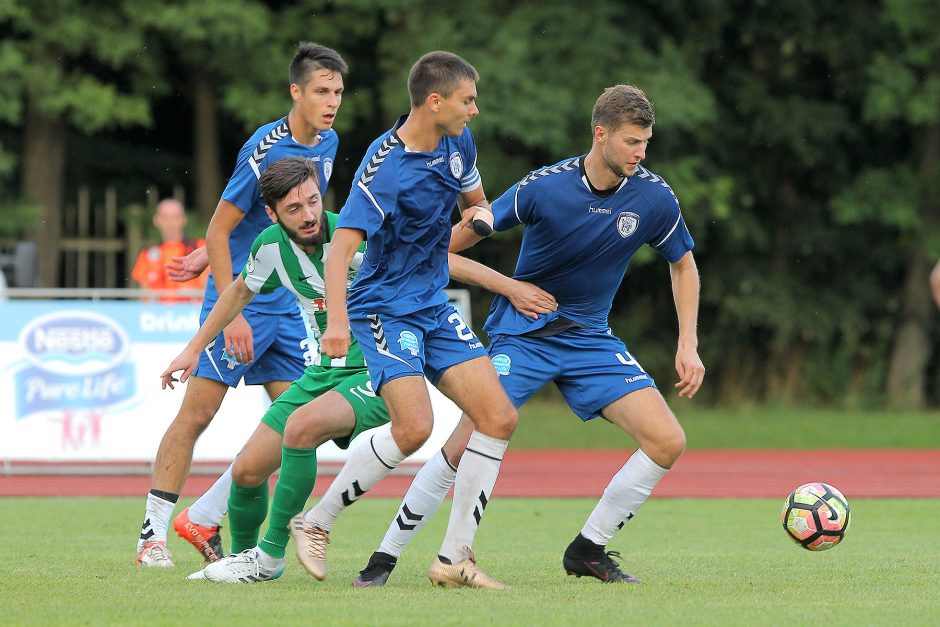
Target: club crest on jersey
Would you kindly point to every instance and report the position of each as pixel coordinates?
(456, 165)
(327, 168)
(502, 363)
(408, 341)
(250, 265)
(627, 223)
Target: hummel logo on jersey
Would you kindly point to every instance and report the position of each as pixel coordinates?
(434, 162)
(604, 210)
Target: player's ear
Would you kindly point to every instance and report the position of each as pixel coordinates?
(295, 92)
(433, 101)
(271, 213)
(600, 134)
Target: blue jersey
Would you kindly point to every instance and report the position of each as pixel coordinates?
(578, 241)
(269, 143)
(404, 201)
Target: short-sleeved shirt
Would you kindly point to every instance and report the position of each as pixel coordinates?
(578, 241)
(404, 202)
(268, 144)
(276, 261)
(150, 268)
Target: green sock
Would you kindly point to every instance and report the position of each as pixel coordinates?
(247, 508)
(294, 485)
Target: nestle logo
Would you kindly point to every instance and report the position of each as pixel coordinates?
(74, 342)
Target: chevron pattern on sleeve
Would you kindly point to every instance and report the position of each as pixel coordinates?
(276, 134)
(368, 173)
(555, 169)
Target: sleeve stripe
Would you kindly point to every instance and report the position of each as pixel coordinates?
(471, 180)
(669, 234)
(375, 203)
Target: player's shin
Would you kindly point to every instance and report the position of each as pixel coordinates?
(625, 493)
(367, 464)
(296, 481)
(476, 476)
(247, 509)
(421, 502)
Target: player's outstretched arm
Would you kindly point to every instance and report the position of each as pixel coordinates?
(189, 267)
(227, 216)
(685, 292)
(528, 299)
(229, 305)
(343, 246)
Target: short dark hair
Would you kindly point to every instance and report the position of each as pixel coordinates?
(284, 175)
(622, 104)
(310, 57)
(438, 72)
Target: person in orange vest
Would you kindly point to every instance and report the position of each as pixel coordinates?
(151, 267)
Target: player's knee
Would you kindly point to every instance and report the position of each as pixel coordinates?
(245, 476)
(410, 439)
(194, 419)
(500, 424)
(669, 447)
(297, 434)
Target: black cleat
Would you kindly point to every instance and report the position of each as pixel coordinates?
(583, 558)
(377, 571)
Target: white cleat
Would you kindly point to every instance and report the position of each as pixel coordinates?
(199, 575)
(155, 555)
(244, 567)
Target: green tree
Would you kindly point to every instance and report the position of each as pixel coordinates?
(68, 65)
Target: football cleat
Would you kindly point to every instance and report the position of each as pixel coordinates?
(583, 558)
(155, 555)
(465, 574)
(206, 540)
(244, 567)
(377, 571)
(311, 544)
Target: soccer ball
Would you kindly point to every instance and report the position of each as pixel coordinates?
(816, 516)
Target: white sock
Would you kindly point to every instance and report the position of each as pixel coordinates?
(156, 520)
(629, 489)
(476, 476)
(424, 497)
(210, 508)
(365, 467)
(268, 561)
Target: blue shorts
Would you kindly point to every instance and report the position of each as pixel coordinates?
(592, 369)
(281, 348)
(426, 342)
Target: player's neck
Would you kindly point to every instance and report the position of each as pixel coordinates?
(599, 173)
(302, 133)
(419, 133)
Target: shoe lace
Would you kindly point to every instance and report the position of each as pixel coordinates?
(318, 541)
(159, 551)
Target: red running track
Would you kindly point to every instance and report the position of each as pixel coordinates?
(567, 473)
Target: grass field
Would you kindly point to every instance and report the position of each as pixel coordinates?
(69, 561)
(552, 425)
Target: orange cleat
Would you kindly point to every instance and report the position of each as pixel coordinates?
(206, 539)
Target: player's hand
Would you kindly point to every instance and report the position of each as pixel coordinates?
(185, 361)
(530, 300)
(239, 340)
(189, 267)
(335, 342)
(480, 219)
(691, 371)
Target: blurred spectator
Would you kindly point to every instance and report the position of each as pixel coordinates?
(151, 267)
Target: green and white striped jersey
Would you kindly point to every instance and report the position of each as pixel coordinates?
(276, 261)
